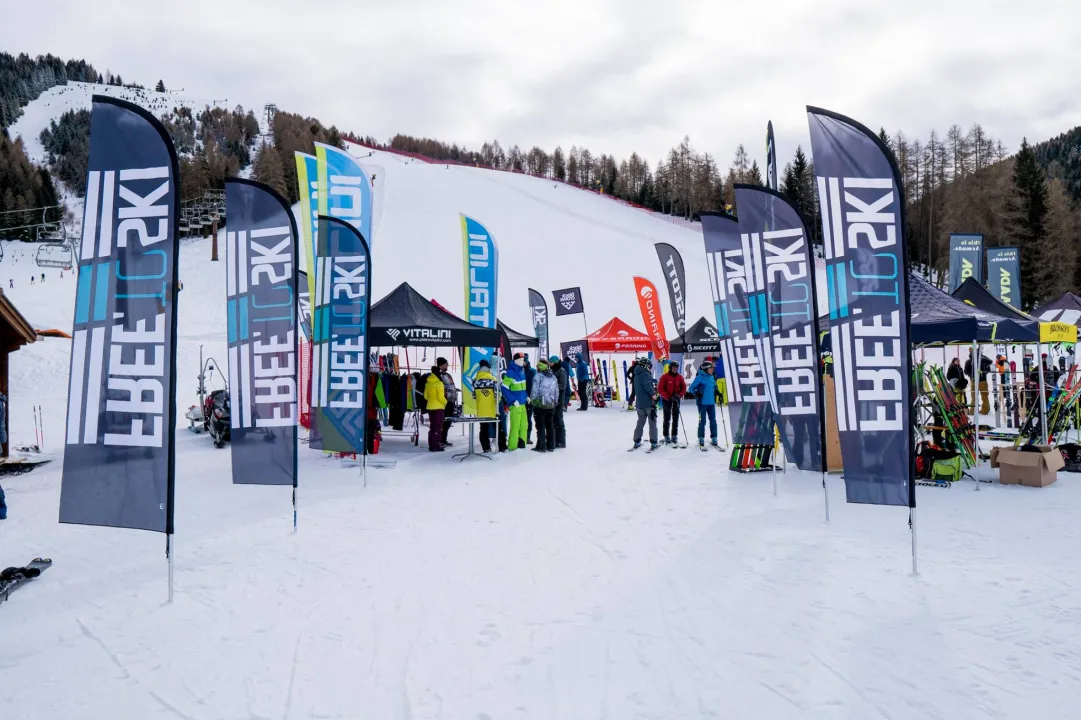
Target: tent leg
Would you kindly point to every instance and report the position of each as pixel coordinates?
(1043, 394)
(976, 398)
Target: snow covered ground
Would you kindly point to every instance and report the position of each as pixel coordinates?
(593, 583)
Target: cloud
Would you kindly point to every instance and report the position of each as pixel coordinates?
(613, 75)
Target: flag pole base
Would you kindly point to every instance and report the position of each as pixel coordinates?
(826, 495)
(912, 525)
(169, 557)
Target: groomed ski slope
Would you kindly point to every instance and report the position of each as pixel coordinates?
(593, 583)
(550, 236)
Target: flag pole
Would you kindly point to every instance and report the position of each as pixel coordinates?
(773, 461)
(826, 494)
(912, 525)
(169, 557)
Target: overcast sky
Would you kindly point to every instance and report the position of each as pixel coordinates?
(613, 75)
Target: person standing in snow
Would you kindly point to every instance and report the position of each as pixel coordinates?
(581, 373)
(645, 402)
(544, 398)
(515, 396)
(562, 382)
(450, 392)
(484, 391)
(704, 389)
(530, 373)
(436, 399)
(568, 365)
(671, 388)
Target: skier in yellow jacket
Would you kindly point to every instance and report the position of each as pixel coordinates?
(436, 398)
(485, 391)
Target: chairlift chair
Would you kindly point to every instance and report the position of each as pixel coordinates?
(51, 255)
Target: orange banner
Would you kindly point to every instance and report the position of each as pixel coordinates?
(650, 305)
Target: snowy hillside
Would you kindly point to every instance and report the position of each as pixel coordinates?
(550, 236)
(77, 96)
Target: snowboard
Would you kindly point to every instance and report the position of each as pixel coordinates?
(14, 577)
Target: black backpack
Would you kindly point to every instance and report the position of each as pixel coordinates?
(1071, 455)
(422, 402)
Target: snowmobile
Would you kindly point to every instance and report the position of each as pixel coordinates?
(216, 416)
(212, 412)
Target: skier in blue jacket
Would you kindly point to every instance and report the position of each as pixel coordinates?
(515, 396)
(530, 373)
(581, 372)
(704, 389)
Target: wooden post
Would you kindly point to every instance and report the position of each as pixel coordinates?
(214, 241)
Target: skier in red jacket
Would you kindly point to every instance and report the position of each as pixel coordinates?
(672, 387)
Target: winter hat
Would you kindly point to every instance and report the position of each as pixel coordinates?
(642, 361)
(441, 361)
(707, 365)
(517, 356)
(485, 364)
(553, 359)
(541, 365)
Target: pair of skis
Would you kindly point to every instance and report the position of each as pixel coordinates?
(651, 448)
(15, 577)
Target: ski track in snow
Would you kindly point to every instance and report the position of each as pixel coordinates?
(589, 583)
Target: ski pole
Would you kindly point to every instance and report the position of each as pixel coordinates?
(724, 424)
(683, 425)
(41, 421)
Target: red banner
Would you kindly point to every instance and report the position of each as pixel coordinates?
(650, 304)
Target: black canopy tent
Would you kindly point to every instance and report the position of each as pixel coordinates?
(972, 293)
(517, 339)
(938, 318)
(1066, 309)
(405, 318)
(698, 338)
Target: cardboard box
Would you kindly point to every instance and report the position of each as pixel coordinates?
(1031, 469)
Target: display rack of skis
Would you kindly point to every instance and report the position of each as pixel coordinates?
(751, 458)
(1063, 412)
(957, 427)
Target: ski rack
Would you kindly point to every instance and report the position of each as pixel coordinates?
(751, 458)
